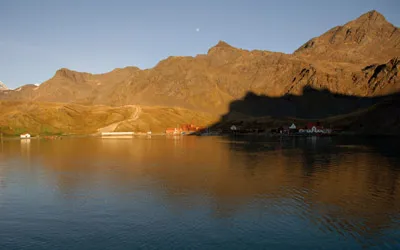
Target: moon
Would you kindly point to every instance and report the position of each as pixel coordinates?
(197, 29)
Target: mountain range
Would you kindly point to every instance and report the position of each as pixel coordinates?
(358, 59)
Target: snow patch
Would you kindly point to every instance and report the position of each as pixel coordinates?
(3, 86)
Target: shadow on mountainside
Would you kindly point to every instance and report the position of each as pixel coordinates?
(264, 112)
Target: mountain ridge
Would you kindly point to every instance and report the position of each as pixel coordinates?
(364, 39)
(359, 58)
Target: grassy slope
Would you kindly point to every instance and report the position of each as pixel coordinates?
(61, 118)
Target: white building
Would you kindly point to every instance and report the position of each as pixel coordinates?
(315, 130)
(116, 133)
(25, 136)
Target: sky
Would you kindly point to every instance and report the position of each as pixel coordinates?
(39, 37)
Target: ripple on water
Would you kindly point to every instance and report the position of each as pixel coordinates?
(200, 193)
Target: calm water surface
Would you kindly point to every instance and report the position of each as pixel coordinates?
(200, 193)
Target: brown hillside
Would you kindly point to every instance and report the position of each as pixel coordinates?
(17, 117)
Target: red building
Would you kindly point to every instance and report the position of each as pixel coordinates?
(186, 128)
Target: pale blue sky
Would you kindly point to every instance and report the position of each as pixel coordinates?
(37, 37)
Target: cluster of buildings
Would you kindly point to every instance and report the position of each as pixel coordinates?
(310, 128)
(183, 129)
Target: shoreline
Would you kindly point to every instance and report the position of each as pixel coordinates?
(60, 137)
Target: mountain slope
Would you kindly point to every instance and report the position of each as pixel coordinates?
(17, 117)
(211, 82)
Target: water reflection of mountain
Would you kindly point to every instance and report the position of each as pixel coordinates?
(339, 184)
(352, 178)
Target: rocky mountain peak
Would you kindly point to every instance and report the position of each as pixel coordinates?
(370, 21)
(372, 15)
(369, 37)
(72, 75)
(221, 46)
(64, 72)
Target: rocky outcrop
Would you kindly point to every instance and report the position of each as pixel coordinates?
(383, 75)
